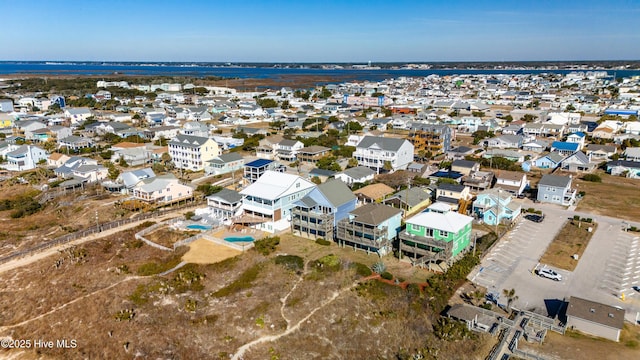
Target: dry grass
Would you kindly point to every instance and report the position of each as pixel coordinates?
(621, 197)
(204, 251)
(382, 320)
(572, 239)
(166, 236)
(575, 345)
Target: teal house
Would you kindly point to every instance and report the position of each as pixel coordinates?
(496, 206)
(435, 235)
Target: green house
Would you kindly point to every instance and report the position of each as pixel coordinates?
(437, 234)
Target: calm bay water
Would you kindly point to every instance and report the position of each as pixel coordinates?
(12, 68)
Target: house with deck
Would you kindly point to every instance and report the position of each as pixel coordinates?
(556, 189)
(162, 189)
(495, 206)
(317, 214)
(371, 228)
(269, 200)
(512, 182)
(225, 204)
(374, 152)
(436, 234)
(192, 152)
(410, 200)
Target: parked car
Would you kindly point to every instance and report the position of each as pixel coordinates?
(549, 274)
(534, 217)
(636, 288)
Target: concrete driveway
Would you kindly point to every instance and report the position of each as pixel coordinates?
(609, 266)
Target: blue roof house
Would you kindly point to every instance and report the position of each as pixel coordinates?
(565, 148)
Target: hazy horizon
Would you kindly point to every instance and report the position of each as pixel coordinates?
(331, 31)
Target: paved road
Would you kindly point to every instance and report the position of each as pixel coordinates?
(609, 266)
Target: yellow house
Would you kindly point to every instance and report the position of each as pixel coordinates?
(6, 120)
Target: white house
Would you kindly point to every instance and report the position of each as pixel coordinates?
(358, 174)
(24, 157)
(511, 181)
(374, 152)
(77, 115)
(192, 152)
(578, 138)
(268, 202)
(161, 189)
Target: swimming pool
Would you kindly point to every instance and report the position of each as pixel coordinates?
(198, 227)
(239, 239)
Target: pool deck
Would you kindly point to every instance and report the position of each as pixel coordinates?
(225, 233)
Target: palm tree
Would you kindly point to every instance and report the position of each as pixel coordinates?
(511, 296)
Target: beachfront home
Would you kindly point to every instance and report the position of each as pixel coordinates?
(270, 198)
(24, 157)
(371, 227)
(549, 161)
(317, 214)
(437, 234)
(225, 204)
(161, 189)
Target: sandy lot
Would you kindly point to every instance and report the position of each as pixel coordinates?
(204, 251)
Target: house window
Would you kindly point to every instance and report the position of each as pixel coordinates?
(444, 234)
(428, 232)
(297, 185)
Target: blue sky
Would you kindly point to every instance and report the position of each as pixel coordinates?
(319, 31)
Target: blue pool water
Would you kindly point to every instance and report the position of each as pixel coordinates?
(198, 227)
(239, 239)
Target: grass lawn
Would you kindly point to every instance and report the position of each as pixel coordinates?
(573, 238)
(615, 196)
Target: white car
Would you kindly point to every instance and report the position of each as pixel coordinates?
(549, 274)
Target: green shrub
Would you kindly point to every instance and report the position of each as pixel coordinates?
(361, 269)
(327, 263)
(189, 214)
(576, 217)
(266, 246)
(291, 262)
(386, 275)
(592, 178)
(321, 241)
(244, 281)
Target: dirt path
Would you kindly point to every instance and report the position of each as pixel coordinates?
(267, 338)
(3, 328)
(13, 264)
(293, 288)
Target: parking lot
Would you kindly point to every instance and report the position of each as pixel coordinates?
(609, 267)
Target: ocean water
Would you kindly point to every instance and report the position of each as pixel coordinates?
(42, 68)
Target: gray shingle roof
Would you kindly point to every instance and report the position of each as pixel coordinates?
(188, 141)
(555, 181)
(390, 144)
(336, 192)
(374, 214)
(227, 195)
(358, 172)
(596, 312)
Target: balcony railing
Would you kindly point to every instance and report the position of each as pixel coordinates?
(422, 245)
(359, 234)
